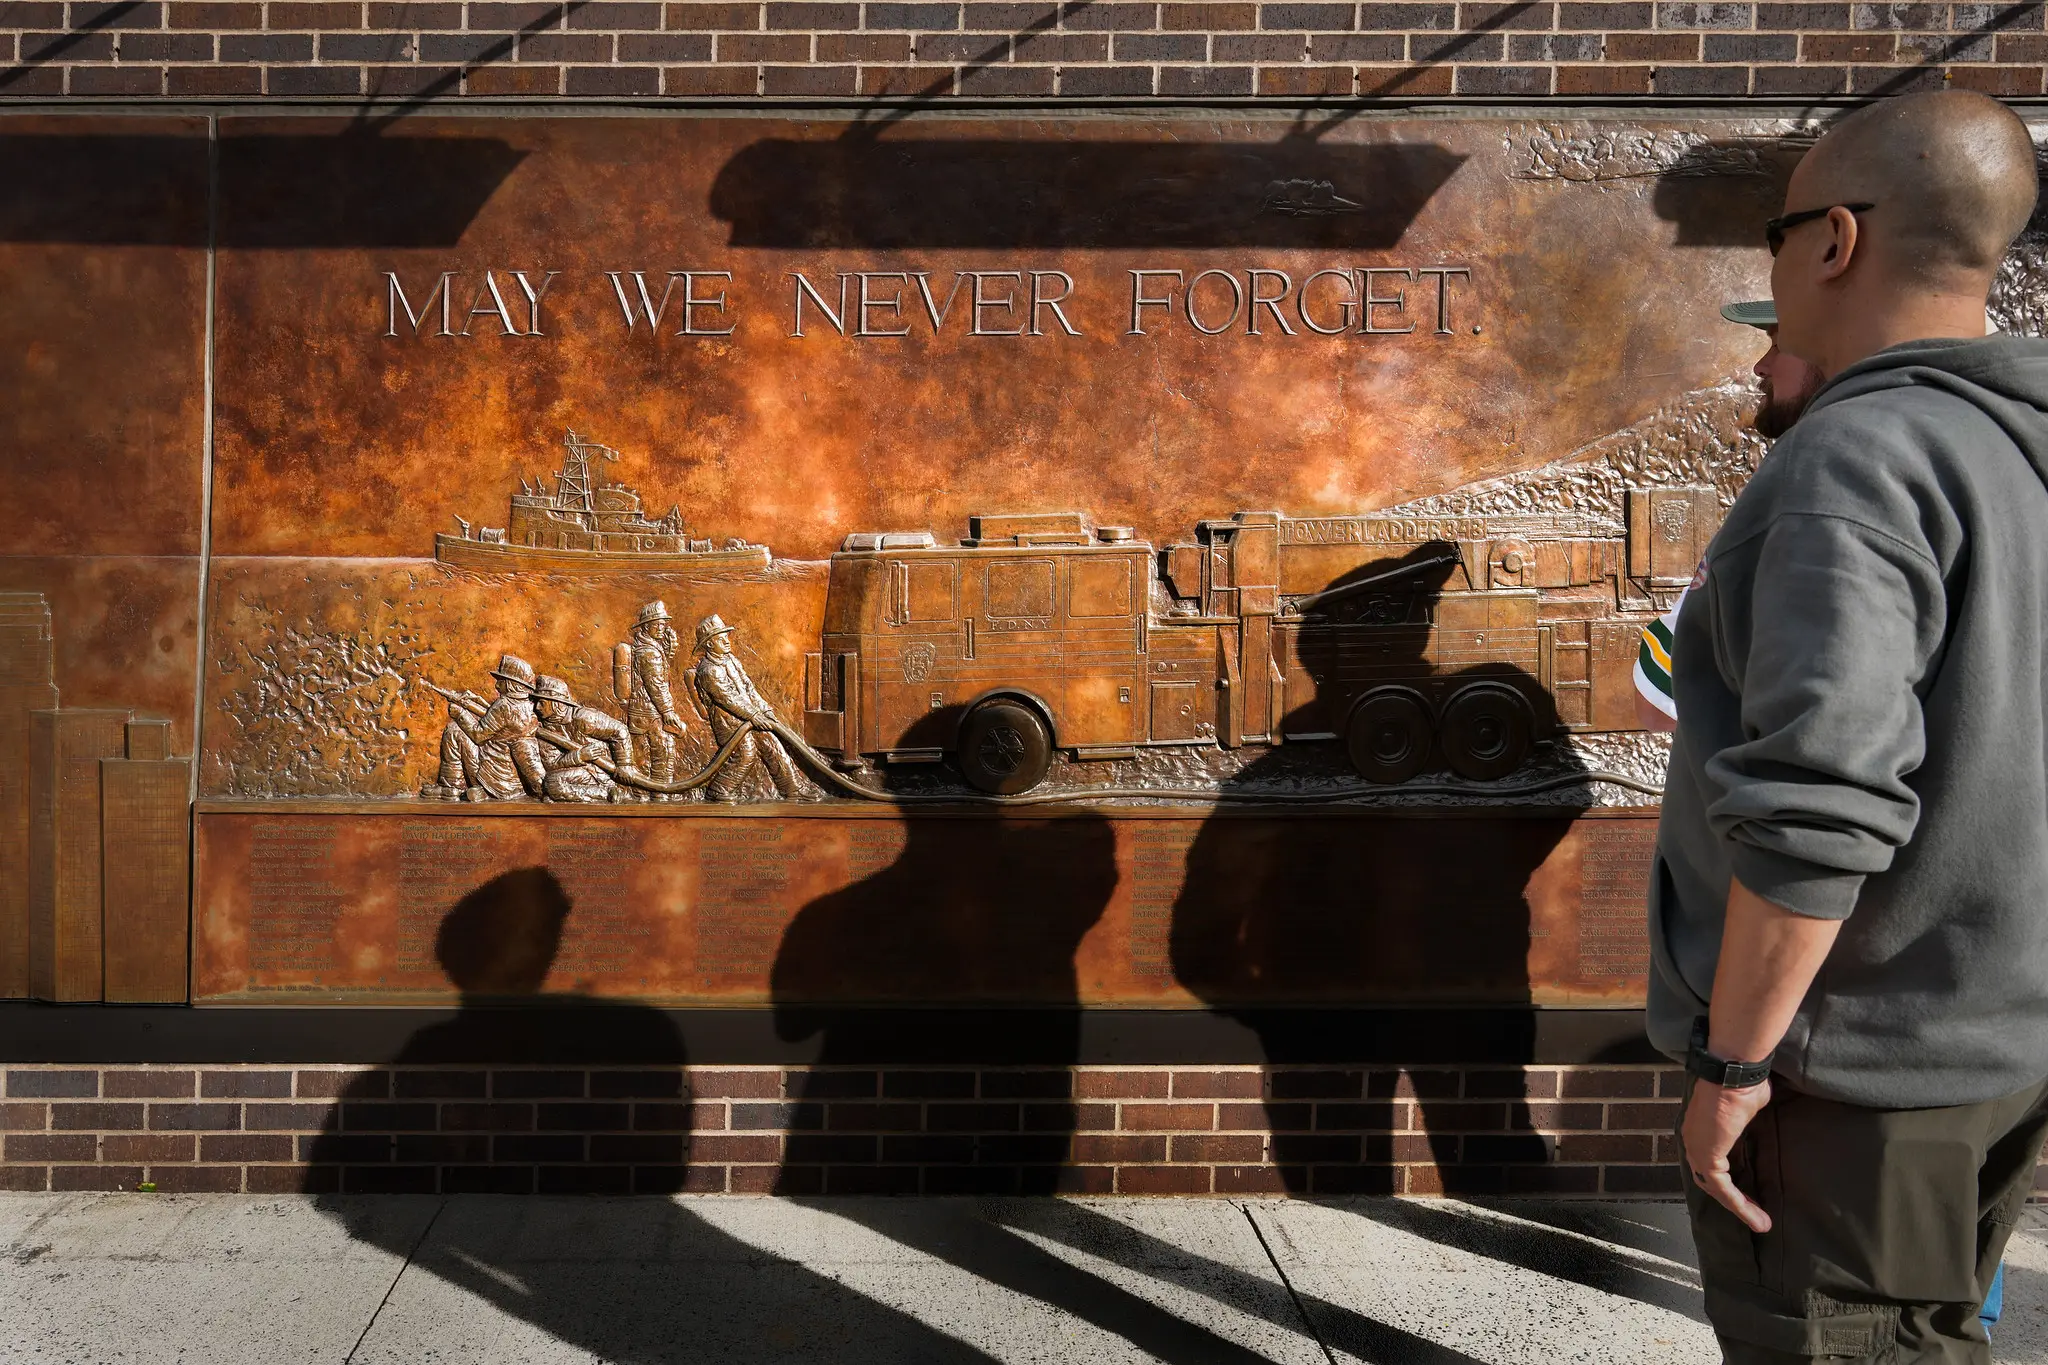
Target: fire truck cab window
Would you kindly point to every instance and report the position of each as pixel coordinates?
(1100, 587)
(1020, 588)
(931, 591)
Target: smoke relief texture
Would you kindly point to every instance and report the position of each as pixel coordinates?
(1083, 49)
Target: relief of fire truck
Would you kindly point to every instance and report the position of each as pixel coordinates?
(1416, 642)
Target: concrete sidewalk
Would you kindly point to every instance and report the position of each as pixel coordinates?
(407, 1280)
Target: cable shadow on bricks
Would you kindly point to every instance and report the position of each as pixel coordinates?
(977, 913)
(526, 1092)
(1399, 906)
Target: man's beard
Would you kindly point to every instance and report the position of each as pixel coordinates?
(1777, 413)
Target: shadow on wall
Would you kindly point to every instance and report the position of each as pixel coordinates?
(902, 190)
(279, 192)
(975, 911)
(639, 1283)
(1306, 911)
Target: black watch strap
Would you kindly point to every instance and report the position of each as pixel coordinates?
(1719, 1070)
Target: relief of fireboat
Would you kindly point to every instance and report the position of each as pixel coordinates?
(587, 525)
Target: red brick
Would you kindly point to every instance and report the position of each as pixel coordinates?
(74, 1117)
(1219, 1147)
(53, 1147)
(1642, 1180)
(704, 15)
(24, 1118)
(254, 1085)
(515, 80)
(95, 1177)
(1117, 1148)
(1658, 1115)
(24, 1179)
(151, 1148)
(710, 80)
(1564, 1118)
(1848, 47)
(1163, 1179)
(2022, 47)
(1218, 1085)
(504, 17)
(736, 1147)
(1605, 1147)
(703, 1180)
(359, 1085)
(245, 1147)
(770, 1179)
(1263, 1117)
(1153, 1118)
(874, 1118)
(198, 14)
(288, 1117)
(197, 1179)
(412, 16)
(294, 1179)
(761, 47)
(1085, 1180)
(863, 47)
(613, 80)
(301, 15)
(151, 1085)
(117, 80)
(216, 80)
(2004, 82)
(1079, 1118)
(1208, 18)
(195, 1117)
(1604, 1084)
(1122, 1085)
(1466, 1117)
(1251, 1180)
(1512, 1085)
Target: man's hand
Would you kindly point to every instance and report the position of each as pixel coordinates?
(1715, 1119)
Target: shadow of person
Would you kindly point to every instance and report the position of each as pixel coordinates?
(1293, 922)
(982, 916)
(525, 1092)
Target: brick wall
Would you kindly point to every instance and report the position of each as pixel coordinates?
(1590, 1130)
(197, 49)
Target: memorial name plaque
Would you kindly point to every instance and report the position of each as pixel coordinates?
(1162, 559)
(1156, 906)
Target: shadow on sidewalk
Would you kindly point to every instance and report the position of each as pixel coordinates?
(638, 1282)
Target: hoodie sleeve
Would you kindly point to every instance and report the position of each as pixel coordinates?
(1825, 628)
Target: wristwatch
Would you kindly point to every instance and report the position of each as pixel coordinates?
(1720, 1071)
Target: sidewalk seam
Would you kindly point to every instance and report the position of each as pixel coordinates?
(1285, 1282)
(411, 1252)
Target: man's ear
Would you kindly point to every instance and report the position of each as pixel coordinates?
(1843, 236)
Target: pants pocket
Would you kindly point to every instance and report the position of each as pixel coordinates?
(1727, 1249)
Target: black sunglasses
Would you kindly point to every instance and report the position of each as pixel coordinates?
(1774, 230)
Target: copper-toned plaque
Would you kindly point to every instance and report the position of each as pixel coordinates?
(64, 873)
(27, 674)
(1166, 559)
(1158, 906)
(146, 828)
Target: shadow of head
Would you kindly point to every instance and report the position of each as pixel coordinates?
(1719, 193)
(501, 939)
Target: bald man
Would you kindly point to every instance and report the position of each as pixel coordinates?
(1849, 915)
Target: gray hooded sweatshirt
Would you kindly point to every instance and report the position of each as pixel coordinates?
(1862, 687)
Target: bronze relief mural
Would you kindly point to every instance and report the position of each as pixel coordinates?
(746, 517)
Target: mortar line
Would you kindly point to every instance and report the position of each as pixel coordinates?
(391, 1288)
(1286, 1282)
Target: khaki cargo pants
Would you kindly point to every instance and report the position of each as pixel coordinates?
(1886, 1228)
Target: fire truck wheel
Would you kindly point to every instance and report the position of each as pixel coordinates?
(1389, 735)
(1486, 730)
(1004, 748)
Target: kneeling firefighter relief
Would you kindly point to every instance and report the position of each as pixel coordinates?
(847, 557)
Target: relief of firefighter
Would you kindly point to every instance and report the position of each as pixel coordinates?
(1470, 644)
(534, 741)
(587, 525)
